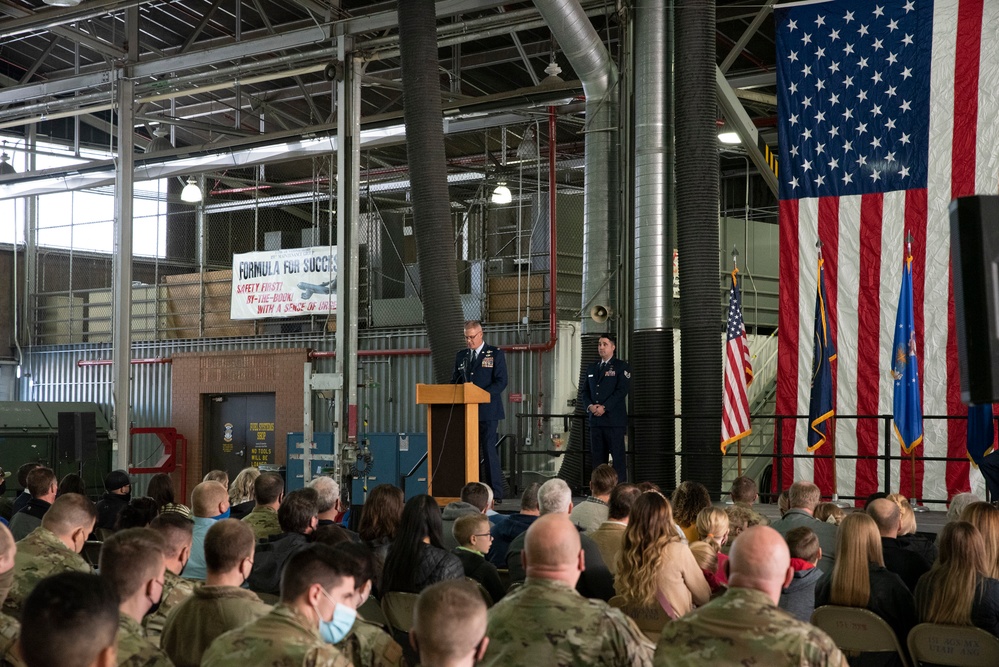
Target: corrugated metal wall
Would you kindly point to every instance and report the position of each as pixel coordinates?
(386, 402)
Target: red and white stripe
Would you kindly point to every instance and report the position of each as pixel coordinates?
(863, 245)
(738, 377)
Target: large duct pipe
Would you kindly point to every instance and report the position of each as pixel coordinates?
(582, 47)
(697, 241)
(653, 432)
(428, 176)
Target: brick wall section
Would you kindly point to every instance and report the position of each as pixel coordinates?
(276, 371)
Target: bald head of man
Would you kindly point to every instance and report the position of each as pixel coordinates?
(209, 500)
(886, 515)
(760, 560)
(552, 550)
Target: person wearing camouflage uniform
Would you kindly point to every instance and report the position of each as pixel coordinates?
(546, 622)
(51, 548)
(268, 490)
(745, 625)
(9, 627)
(314, 583)
(177, 532)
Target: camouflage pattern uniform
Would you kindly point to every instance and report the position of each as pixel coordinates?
(264, 521)
(282, 638)
(175, 590)
(368, 645)
(41, 554)
(134, 650)
(546, 622)
(758, 518)
(9, 630)
(744, 626)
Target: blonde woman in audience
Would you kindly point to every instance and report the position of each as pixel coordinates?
(859, 578)
(829, 513)
(985, 517)
(908, 538)
(712, 529)
(707, 559)
(241, 498)
(220, 476)
(956, 591)
(654, 566)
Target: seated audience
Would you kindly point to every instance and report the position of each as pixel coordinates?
(688, 500)
(474, 499)
(739, 519)
(160, 489)
(744, 626)
(43, 487)
(985, 517)
(610, 534)
(707, 559)
(117, 493)
(221, 604)
(449, 625)
(784, 502)
(220, 476)
(923, 544)
(906, 564)
(745, 494)
(365, 644)
(712, 529)
(859, 578)
(241, 495)
(417, 557)
(131, 564)
(268, 490)
(379, 523)
(331, 535)
(177, 533)
(957, 504)
(298, 516)
(51, 548)
(9, 627)
(654, 567)
(596, 581)
(22, 481)
(798, 595)
(593, 511)
(956, 591)
(803, 498)
(71, 483)
(300, 630)
(330, 505)
(547, 622)
(829, 513)
(472, 533)
(210, 503)
(514, 525)
(136, 514)
(74, 623)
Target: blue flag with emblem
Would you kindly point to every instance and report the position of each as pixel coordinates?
(981, 432)
(908, 409)
(820, 402)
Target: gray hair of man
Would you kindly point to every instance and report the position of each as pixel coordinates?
(958, 503)
(328, 490)
(555, 497)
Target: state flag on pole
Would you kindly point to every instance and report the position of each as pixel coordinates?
(908, 410)
(738, 372)
(820, 404)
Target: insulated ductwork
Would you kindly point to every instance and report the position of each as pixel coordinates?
(653, 431)
(595, 69)
(697, 244)
(428, 175)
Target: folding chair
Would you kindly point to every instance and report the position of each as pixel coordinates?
(952, 645)
(650, 620)
(857, 631)
(371, 611)
(398, 608)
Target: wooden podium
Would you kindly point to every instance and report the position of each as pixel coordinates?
(452, 436)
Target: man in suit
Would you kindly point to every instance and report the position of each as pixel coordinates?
(804, 497)
(602, 395)
(485, 367)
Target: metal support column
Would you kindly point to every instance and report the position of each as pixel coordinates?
(124, 177)
(348, 144)
(29, 307)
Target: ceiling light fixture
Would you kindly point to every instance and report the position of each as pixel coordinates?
(729, 138)
(502, 194)
(191, 192)
(160, 142)
(62, 3)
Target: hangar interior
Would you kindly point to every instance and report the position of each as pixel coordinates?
(288, 119)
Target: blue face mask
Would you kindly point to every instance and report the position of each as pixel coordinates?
(334, 630)
(224, 515)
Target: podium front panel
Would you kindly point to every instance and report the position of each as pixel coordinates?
(447, 460)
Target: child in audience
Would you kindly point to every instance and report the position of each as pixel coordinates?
(799, 596)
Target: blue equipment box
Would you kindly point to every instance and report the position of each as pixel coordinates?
(388, 459)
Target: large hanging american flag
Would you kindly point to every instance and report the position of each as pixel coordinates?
(738, 372)
(887, 111)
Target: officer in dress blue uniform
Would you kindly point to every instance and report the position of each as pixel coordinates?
(485, 367)
(603, 394)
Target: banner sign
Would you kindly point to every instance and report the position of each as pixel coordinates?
(284, 283)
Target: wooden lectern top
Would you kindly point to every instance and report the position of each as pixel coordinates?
(451, 394)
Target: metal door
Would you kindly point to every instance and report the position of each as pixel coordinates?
(241, 432)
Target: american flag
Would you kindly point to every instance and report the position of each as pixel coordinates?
(886, 112)
(738, 372)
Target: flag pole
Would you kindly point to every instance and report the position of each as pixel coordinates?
(913, 503)
(831, 438)
(738, 444)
